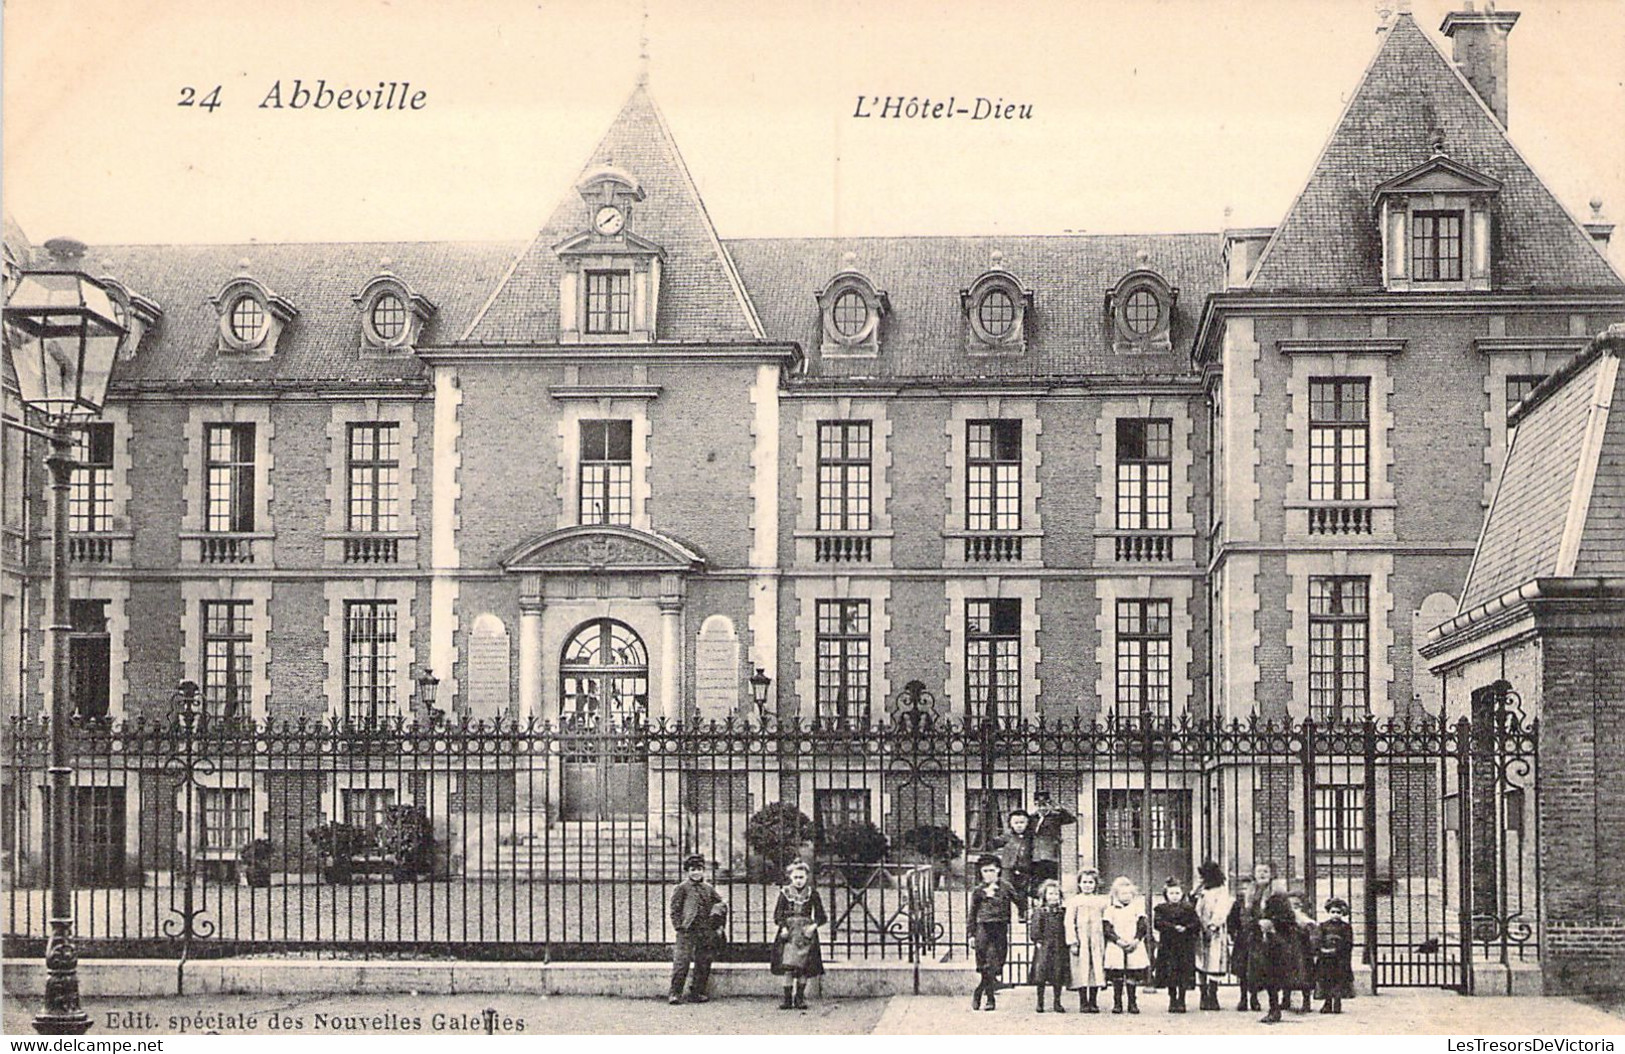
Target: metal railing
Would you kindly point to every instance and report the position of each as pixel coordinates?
(505, 839)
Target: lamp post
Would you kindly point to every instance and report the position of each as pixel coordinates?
(759, 683)
(427, 684)
(62, 338)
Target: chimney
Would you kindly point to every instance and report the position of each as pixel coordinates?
(1598, 226)
(66, 253)
(1480, 41)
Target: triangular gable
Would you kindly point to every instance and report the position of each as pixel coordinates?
(701, 296)
(1439, 175)
(1410, 92)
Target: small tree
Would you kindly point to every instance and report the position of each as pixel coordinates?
(254, 862)
(775, 835)
(408, 837)
(857, 848)
(933, 842)
(337, 843)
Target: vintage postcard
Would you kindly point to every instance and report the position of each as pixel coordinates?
(1052, 519)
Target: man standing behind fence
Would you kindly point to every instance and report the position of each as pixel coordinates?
(697, 916)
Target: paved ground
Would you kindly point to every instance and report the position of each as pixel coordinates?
(1416, 1012)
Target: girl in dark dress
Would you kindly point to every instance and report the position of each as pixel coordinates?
(1177, 929)
(1334, 952)
(990, 906)
(1052, 960)
(797, 954)
(1275, 959)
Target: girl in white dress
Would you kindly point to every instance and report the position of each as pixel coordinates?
(1086, 940)
(1125, 927)
(1213, 906)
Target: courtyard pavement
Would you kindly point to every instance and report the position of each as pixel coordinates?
(1411, 1011)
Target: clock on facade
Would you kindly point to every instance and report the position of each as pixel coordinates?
(609, 220)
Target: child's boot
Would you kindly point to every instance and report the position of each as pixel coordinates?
(976, 996)
(1337, 1005)
(1059, 1009)
(1041, 999)
(1083, 1000)
(1133, 1004)
(1326, 1007)
(787, 1003)
(801, 993)
(1117, 997)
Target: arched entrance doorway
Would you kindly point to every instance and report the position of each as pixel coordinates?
(603, 708)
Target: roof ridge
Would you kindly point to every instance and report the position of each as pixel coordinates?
(502, 283)
(978, 237)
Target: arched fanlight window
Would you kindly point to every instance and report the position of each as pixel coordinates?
(604, 677)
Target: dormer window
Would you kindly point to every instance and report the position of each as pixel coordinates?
(392, 315)
(609, 277)
(852, 309)
(134, 312)
(1140, 309)
(995, 309)
(1435, 224)
(609, 301)
(252, 317)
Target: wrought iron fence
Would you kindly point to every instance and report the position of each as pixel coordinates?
(206, 837)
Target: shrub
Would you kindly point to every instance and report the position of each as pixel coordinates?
(408, 837)
(337, 842)
(254, 862)
(856, 847)
(775, 835)
(934, 842)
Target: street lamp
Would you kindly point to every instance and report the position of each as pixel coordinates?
(759, 683)
(427, 683)
(62, 338)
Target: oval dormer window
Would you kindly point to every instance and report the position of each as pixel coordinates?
(1141, 312)
(248, 321)
(388, 318)
(996, 313)
(851, 314)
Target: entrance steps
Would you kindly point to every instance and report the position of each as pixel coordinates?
(587, 850)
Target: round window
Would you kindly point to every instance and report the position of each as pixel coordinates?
(1141, 312)
(247, 320)
(850, 314)
(996, 313)
(388, 317)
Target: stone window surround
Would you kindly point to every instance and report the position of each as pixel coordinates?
(120, 535)
(198, 416)
(978, 341)
(194, 591)
(259, 807)
(330, 802)
(418, 311)
(1512, 356)
(844, 408)
(117, 595)
(1108, 591)
(642, 262)
(1160, 336)
(369, 411)
(1183, 519)
(278, 313)
(865, 344)
(37, 781)
(992, 587)
(1397, 221)
(404, 593)
(571, 414)
(993, 407)
(1373, 368)
(1379, 568)
(877, 591)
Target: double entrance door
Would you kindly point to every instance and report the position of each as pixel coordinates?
(1132, 828)
(603, 715)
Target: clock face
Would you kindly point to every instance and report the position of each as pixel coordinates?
(609, 220)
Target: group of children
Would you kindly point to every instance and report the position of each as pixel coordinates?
(1091, 941)
(1086, 942)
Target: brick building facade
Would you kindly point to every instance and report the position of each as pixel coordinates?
(609, 472)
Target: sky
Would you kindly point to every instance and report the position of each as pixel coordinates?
(1148, 115)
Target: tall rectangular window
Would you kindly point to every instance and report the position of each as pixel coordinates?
(1340, 818)
(609, 301)
(993, 658)
(90, 658)
(606, 472)
(843, 661)
(1436, 246)
(986, 812)
(837, 807)
(1339, 439)
(1339, 649)
(993, 476)
(227, 677)
(229, 473)
(1145, 469)
(225, 817)
(90, 489)
(845, 475)
(369, 660)
(375, 477)
(366, 807)
(1145, 645)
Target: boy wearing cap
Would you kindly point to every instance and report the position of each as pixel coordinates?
(1046, 823)
(697, 915)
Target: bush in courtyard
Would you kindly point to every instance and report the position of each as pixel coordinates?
(934, 842)
(408, 837)
(775, 835)
(856, 848)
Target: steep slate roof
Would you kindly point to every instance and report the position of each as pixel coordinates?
(323, 342)
(701, 299)
(1067, 330)
(1329, 240)
(1564, 478)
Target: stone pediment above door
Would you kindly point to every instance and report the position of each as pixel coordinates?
(602, 548)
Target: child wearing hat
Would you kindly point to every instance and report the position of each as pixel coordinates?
(796, 952)
(1213, 906)
(1334, 951)
(991, 903)
(1016, 851)
(697, 915)
(1045, 824)
(1177, 929)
